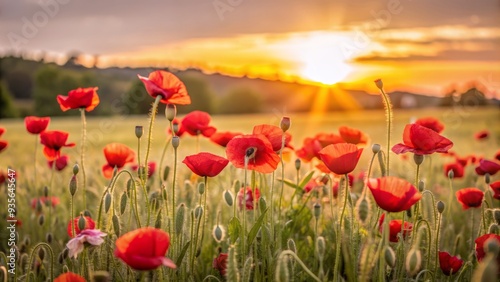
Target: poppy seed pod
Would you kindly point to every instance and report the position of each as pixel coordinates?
(376, 148)
(379, 84)
(451, 174)
(487, 178)
(139, 130)
(418, 159)
(175, 142)
(440, 206)
(73, 185)
(317, 210)
(170, 112)
(298, 163)
(228, 197)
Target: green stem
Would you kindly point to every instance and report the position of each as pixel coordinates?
(297, 259)
(388, 112)
(32, 257)
(82, 156)
(436, 259)
(35, 159)
(339, 233)
(160, 166)
(150, 133)
(272, 206)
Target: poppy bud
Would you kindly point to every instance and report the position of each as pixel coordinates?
(413, 261)
(60, 258)
(81, 222)
(487, 178)
(123, 202)
(41, 219)
(158, 221)
(389, 256)
(285, 123)
(107, 203)
(496, 215)
(166, 172)
(49, 238)
(440, 206)
(317, 210)
(494, 229)
(451, 174)
(291, 245)
(298, 162)
(201, 188)
(363, 207)
(87, 213)
(100, 276)
(116, 224)
(320, 247)
(41, 253)
(418, 159)
(46, 192)
(236, 186)
(139, 130)
(130, 186)
(27, 241)
(262, 204)
(38, 206)
(170, 112)
(376, 148)
(198, 212)
(421, 186)
(282, 273)
(175, 142)
(228, 197)
(218, 233)
(73, 185)
(65, 253)
(179, 218)
(76, 169)
(379, 84)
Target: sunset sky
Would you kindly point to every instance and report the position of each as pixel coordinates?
(423, 46)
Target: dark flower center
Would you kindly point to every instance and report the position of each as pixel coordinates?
(250, 152)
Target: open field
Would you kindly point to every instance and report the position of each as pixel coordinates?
(461, 123)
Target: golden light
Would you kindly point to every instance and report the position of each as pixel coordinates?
(324, 67)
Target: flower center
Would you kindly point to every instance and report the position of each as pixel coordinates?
(250, 152)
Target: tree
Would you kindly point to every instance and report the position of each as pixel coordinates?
(137, 100)
(202, 97)
(7, 108)
(241, 101)
(20, 84)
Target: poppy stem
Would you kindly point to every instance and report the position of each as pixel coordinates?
(150, 135)
(282, 175)
(388, 112)
(272, 206)
(160, 166)
(174, 238)
(35, 159)
(436, 260)
(82, 156)
(340, 233)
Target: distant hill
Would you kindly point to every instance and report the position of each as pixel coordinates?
(19, 75)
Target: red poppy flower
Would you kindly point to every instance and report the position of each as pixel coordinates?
(176, 124)
(341, 158)
(144, 248)
(352, 135)
(3, 145)
(431, 123)
(497, 156)
(421, 140)
(470, 197)
(393, 194)
(61, 162)
(482, 135)
(480, 253)
(69, 277)
(89, 224)
(486, 166)
(80, 98)
(249, 197)
(457, 168)
(53, 141)
(206, 164)
(117, 155)
(495, 186)
(168, 86)
(2, 131)
(54, 201)
(196, 123)
(222, 138)
(462, 161)
(274, 134)
(309, 150)
(36, 125)
(395, 228)
(151, 168)
(220, 263)
(257, 148)
(326, 139)
(314, 183)
(449, 264)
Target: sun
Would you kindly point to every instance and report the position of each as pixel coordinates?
(324, 66)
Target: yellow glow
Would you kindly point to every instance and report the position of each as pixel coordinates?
(324, 67)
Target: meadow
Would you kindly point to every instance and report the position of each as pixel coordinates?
(289, 234)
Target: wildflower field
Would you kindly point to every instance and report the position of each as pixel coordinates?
(408, 195)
